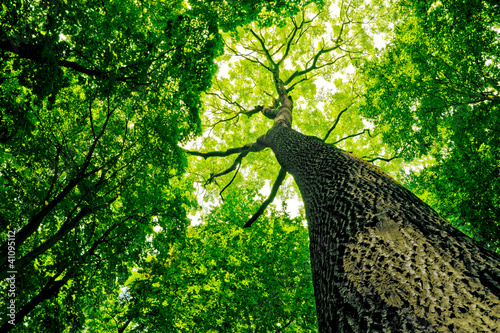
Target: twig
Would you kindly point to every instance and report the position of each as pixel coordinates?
(266, 51)
(382, 158)
(232, 180)
(350, 136)
(248, 113)
(235, 164)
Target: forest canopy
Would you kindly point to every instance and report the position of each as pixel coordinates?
(109, 111)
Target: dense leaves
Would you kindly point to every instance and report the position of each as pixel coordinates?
(89, 157)
(234, 13)
(96, 97)
(435, 90)
(225, 278)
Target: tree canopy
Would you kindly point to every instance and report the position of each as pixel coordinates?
(95, 98)
(98, 97)
(435, 91)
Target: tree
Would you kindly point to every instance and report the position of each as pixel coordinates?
(91, 164)
(95, 97)
(437, 94)
(88, 162)
(381, 258)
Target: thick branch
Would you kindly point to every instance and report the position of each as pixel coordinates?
(66, 227)
(50, 290)
(36, 220)
(245, 149)
(277, 183)
(284, 114)
(269, 113)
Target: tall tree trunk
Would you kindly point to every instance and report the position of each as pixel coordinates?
(383, 260)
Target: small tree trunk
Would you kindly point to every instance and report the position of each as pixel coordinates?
(383, 260)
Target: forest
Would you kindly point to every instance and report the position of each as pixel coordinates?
(250, 166)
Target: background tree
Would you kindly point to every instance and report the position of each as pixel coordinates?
(95, 97)
(434, 91)
(89, 162)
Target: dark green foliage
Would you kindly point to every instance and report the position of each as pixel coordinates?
(234, 13)
(435, 90)
(96, 97)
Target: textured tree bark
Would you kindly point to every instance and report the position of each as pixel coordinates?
(383, 260)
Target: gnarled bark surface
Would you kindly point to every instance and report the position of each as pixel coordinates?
(383, 260)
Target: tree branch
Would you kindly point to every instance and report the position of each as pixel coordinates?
(335, 123)
(235, 164)
(245, 149)
(50, 290)
(266, 51)
(36, 220)
(247, 57)
(277, 183)
(232, 180)
(242, 111)
(293, 85)
(381, 158)
(67, 226)
(290, 39)
(350, 136)
(269, 113)
(314, 66)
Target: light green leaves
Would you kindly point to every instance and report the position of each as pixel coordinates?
(225, 276)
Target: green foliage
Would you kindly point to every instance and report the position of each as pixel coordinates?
(464, 185)
(159, 49)
(95, 98)
(222, 278)
(234, 13)
(322, 43)
(434, 91)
